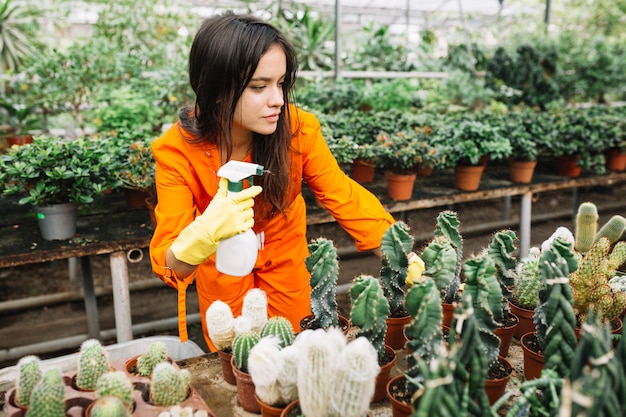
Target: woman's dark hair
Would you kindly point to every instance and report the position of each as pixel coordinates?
(223, 58)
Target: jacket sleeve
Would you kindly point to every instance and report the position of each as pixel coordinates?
(355, 208)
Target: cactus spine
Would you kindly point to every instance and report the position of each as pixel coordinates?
(169, 385)
(48, 396)
(527, 283)
(109, 407)
(156, 353)
(586, 226)
(115, 384)
(369, 311)
(396, 245)
(323, 266)
(93, 362)
(29, 375)
(255, 308)
(219, 323)
(281, 328)
(242, 345)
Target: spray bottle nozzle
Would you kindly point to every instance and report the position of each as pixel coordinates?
(236, 172)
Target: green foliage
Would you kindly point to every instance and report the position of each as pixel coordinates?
(396, 245)
(279, 327)
(404, 151)
(123, 108)
(369, 311)
(93, 362)
(18, 28)
(323, 266)
(375, 52)
(29, 375)
(242, 344)
(115, 384)
(155, 354)
(48, 396)
(169, 385)
(136, 167)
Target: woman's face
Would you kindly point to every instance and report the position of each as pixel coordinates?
(260, 104)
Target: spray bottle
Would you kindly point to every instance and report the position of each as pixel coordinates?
(237, 255)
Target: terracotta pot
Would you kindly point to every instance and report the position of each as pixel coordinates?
(395, 337)
(495, 388)
(521, 171)
(135, 198)
(533, 361)
(227, 369)
(400, 186)
(398, 408)
(269, 410)
(568, 166)
(525, 320)
(19, 140)
(616, 328)
(293, 410)
(448, 313)
(424, 171)
(362, 171)
(615, 159)
(343, 322)
(505, 334)
(467, 177)
(245, 390)
(383, 377)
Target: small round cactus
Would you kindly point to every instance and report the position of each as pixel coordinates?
(115, 384)
(241, 349)
(156, 353)
(109, 407)
(169, 385)
(48, 396)
(281, 328)
(93, 362)
(29, 368)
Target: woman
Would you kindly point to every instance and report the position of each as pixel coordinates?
(242, 70)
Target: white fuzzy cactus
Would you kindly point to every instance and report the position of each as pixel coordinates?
(241, 325)
(264, 366)
(219, 322)
(354, 380)
(288, 375)
(255, 308)
(560, 232)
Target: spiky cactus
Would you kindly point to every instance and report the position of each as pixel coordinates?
(288, 374)
(501, 251)
(219, 323)
(279, 327)
(109, 407)
(369, 311)
(264, 366)
(169, 385)
(525, 292)
(424, 333)
(115, 384)
(442, 395)
(242, 344)
(612, 229)
(255, 308)
(323, 266)
(93, 362)
(396, 245)
(353, 381)
(48, 396)
(155, 354)
(586, 226)
(29, 375)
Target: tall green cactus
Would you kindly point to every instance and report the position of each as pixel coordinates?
(29, 375)
(369, 311)
(115, 384)
(242, 344)
(525, 293)
(93, 362)
(109, 407)
(323, 266)
(586, 226)
(448, 225)
(155, 354)
(396, 245)
(169, 385)
(48, 396)
(442, 395)
(612, 229)
(281, 328)
(424, 333)
(501, 251)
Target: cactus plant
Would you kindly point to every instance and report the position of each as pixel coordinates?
(109, 407)
(281, 328)
(155, 354)
(612, 229)
(255, 308)
(323, 266)
(169, 385)
(242, 344)
(369, 311)
(288, 373)
(586, 226)
(93, 362)
(115, 384)
(525, 293)
(396, 245)
(264, 366)
(48, 396)
(219, 323)
(500, 251)
(29, 375)
(442, 394)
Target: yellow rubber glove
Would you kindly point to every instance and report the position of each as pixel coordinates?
(416, 269)
(226, 216)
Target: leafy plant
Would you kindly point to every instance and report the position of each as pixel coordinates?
(403, 152)
(18, 26)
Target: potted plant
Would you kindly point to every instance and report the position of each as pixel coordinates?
(615, 129)
(242, 346)
(21, 118)
(54, 175)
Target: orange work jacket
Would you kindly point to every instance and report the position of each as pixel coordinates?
(186, 178)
